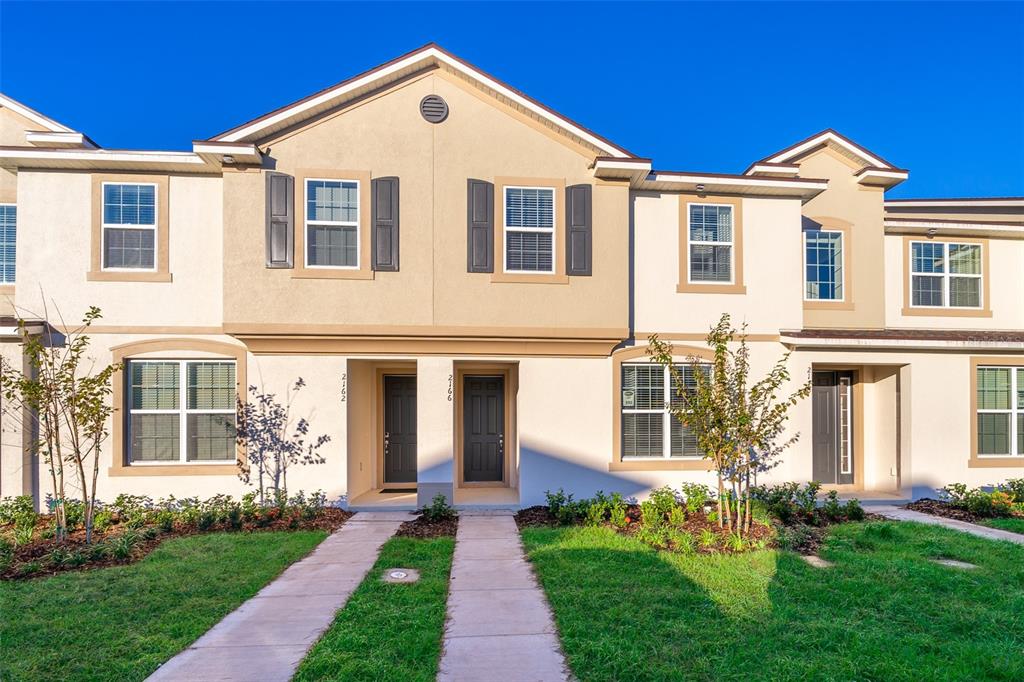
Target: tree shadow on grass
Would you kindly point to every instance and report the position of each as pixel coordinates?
(884, 611)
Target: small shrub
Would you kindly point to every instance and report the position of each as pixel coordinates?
(795, 537)
(681, 541)
(557, 500)
(132, 510)
(664, 500)
(696, 495)
(6, 554)
(438, 509)
(655, 536)
(24, 527)
(206, 519)
(165, 520)
(98, 551)
(1015, 487)
(12, 507)
(735, 542)
(122, 546)
(995, 503)
(676, 517)
(250, 508)
(596, 513)
(853, 510)
(650, 516)
(29, 568)
(617, 516)
(832, 510)
(234, 519)
(102, 521)
(807, 499)
(708, 538)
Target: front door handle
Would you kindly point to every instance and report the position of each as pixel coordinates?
(387, 442)
(501, 443)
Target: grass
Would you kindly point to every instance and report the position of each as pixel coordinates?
(883, 612)
(389, 631)
(121, 623)
(1014, 525)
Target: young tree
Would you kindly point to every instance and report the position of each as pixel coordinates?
(64, 399)
(738, 426)
(271, 441)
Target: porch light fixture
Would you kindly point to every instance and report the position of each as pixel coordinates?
(229, 159)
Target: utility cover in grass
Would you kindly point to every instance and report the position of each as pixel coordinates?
(400, 575)
(816, 561)
(953, 563)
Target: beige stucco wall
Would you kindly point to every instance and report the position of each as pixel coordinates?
(1006, 289)
(771, 269)
(55, 212)
(862, 206)
(387, 137)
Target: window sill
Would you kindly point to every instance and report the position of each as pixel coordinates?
(945, 312)
(329, 273)
(526, 278)
(660, 465)
(124, 276)
(688, 288)
(995, 462)
(828, 305)
(174, 470)
(6, 289)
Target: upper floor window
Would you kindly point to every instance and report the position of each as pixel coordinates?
(332, 223)
(648, 427)
(711, 243)
(181, 411)
(1000, 405)
(945, 275)
(529, 229)
(129, 226)
(8, 234)
(823, 265)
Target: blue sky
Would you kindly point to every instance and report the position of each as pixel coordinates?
(936, 88)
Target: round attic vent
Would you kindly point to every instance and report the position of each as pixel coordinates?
(433, 108)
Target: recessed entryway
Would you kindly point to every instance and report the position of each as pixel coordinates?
(832, 408)
(398, 440)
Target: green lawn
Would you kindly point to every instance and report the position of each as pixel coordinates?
(121, 623)
(883, 612)
(389, 631)
(1014, 525)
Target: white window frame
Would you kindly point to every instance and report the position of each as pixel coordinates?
(946, 275)
(666, 428)
(731, 244)
(4, 282)
(506, 228)
(182, 411)
(842, 267)
(129, 226)
(331, 223)
(1013, 412)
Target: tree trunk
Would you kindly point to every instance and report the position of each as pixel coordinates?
(721, 493)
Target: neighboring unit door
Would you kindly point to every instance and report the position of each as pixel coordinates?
(832, 438)
(483, 440)
(399, 429)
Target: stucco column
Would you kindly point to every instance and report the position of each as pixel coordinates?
(435, 434)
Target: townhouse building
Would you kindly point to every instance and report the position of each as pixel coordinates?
(466, 281)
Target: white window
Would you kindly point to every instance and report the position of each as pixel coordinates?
(710, 229)
(8, 235)
(647, 393)
(180, 411)
(945, 275)
(332, 224)
(529, 229)
(1000, 418)
(823, 265)
(129, 226)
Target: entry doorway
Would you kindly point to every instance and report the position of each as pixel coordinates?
(399, 433)
(483, 436)
(832, 408)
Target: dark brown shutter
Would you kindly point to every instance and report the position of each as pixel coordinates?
(280, 220)
(579, 230)
(480, 226)
(385, 224)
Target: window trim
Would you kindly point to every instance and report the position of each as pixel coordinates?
(946, 276)
(4, 285)
(161, 262)
(984, 310)
(183, 410)
(303, 271)
(104, 225)
(171, 349)
(736, 284)
(505, 229)
(842, 258)
(988, 461)
(631, 355)
(731, 244)
(665, 412)
(558, 276)
(332, 223)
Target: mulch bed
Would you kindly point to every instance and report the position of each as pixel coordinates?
(330, 519)
(423, 528)
(940, 508)
(534, 516)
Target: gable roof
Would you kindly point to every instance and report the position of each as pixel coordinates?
(429, 56)
(56, 134)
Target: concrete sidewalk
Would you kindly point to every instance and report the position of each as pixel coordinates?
(900, 514)
(267, 637)
(499, 624)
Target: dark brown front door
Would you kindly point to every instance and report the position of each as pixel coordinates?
(483, 416)
(832, 415)
(399, 429)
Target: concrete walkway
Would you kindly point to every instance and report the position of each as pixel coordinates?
(267, 637)
(499, 624)
(900, 514)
